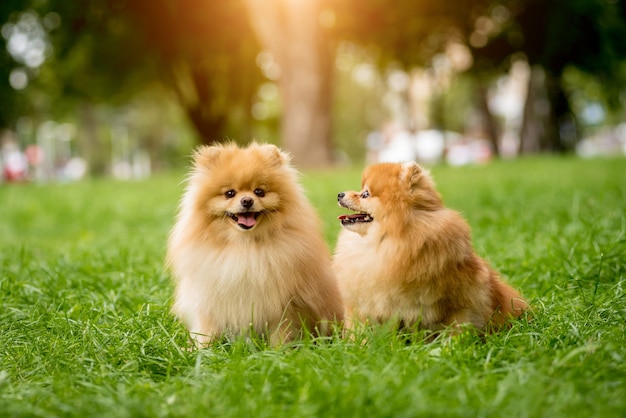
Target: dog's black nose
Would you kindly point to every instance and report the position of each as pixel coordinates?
(246, 202)
(340, 195)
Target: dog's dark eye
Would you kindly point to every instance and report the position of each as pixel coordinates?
(259, 192)
(230, 194)
(365, 195)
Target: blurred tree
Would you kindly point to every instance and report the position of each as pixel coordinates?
(411, 33)
(13, 75)
(550, 35)
(207, 53)
(108, 51)
(294, 33)
(553, 35)
(408, 32)
(7, 104)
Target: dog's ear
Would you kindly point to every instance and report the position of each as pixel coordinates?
(274, 154)
(412, 172)
(205, 155)
(421, 186)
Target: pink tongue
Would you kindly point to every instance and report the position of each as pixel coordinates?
(352, 216)
(246, 219)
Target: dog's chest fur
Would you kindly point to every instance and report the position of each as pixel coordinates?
(234, 287)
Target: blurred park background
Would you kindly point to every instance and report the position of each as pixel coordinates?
(129, 87)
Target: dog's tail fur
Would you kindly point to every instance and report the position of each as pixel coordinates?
(508, 303)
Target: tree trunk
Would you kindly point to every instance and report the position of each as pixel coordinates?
(195, 92)
(210, 127)
(291, 32)
(489, 122)
(549, 124)
(90, 145)
(563, 127)
(532, 131)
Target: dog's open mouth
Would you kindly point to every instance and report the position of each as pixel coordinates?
(355, 218)
(245, 220)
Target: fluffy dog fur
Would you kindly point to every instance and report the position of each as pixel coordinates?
(247, 252)
(403, 256)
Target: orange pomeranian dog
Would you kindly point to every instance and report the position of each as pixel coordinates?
(403, 256)
(247, 251)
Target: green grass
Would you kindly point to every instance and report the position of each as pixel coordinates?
(85, 328)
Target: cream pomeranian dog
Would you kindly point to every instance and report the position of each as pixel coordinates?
(403, 256)
(247, 252)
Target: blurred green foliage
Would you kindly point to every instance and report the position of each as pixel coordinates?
(204, 56)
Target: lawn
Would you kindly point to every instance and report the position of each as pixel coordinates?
(85, 328)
